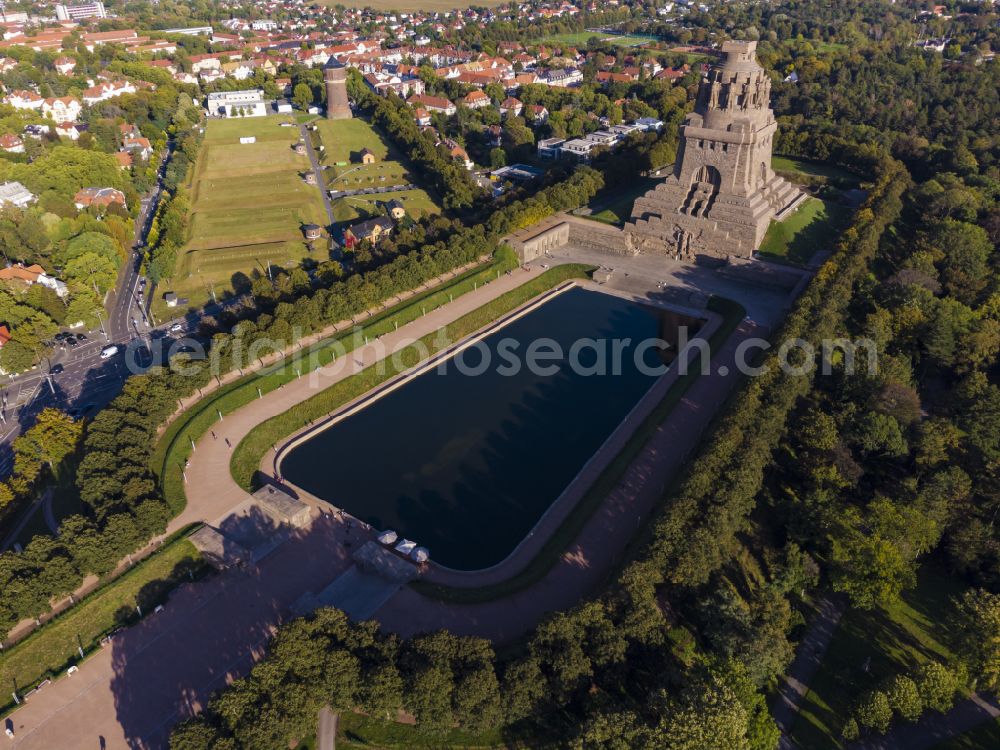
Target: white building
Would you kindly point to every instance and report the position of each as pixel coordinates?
(56, 285)
(62, 109)
(79, 12)
(578, 147)
(15, 194)
(245, 103)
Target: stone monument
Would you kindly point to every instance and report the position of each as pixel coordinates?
(335, 79)
(723, 193)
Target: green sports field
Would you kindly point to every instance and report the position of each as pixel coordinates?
(249, 202)
(580, 39)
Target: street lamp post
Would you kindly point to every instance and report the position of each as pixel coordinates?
(101, 320)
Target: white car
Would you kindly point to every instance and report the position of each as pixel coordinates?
(109, 351)
(176, 327)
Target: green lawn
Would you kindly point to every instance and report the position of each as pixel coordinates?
(615, 206)
(812, 169)
(814, 226)
(897, 639)
(416, 202)
(984, 737)
(343, 141)
(248, 204)
(580, 38)
(54, 647)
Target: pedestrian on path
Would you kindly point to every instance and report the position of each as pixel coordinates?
(228, 444)
(213, 434)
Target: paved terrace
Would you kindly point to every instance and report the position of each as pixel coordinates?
(129, 694)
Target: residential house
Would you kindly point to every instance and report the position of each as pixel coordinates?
(107, 90)
(36, 131)
(370, 230)
(536, 114)
(548, 148)
(124, 159)
(650, 124)
(99, 197)
(33, 274)
(564, 77)
(422, 116)
(22, 99)
(579, 148)
(511, 107)
(138, 146)
(4, 335)
(11, 143)
(15, 194)
(62, 108)
(457, 153)
(475, 100)
(64, 65)
(69, 130)
(432, 103)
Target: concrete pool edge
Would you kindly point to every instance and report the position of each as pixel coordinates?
(566, 502)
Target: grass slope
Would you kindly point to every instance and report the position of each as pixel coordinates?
(815, 226)
(343, 141)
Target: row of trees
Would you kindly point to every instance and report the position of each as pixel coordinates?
(38, 451)
(168, 232)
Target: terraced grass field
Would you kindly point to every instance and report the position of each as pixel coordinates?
(249, 202)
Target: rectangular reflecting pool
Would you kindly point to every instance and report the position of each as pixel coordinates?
(466, 461)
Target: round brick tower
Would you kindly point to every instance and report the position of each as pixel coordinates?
(335, 78)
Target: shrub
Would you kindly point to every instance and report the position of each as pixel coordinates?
(937, 685)
(875, 713)
(904, 698)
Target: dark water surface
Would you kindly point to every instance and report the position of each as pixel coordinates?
(464, 464)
